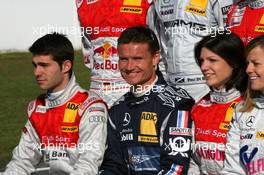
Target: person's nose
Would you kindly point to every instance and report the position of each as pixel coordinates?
(204, 66)
(250, 68)
(37, 71)
(130, 65)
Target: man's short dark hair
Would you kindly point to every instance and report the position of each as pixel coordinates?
(140, 34)
(56, 45)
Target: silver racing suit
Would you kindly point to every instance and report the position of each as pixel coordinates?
(180, 25)
(245, 142)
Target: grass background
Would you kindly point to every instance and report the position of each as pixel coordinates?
(17, 88)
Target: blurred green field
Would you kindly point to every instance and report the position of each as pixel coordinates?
(17, 88)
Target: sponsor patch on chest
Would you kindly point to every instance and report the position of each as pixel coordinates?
(70, 112)
(197, 7)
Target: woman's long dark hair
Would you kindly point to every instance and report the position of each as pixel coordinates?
(231, 48)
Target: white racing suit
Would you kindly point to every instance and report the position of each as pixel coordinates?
(67, 131)
(180, 25)
(245, 142)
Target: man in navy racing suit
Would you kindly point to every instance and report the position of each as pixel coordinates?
(149, 130)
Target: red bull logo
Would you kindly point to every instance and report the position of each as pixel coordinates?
(106, 51)
(107, 65)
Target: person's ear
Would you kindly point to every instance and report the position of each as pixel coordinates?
(156, 58)
(66, 66)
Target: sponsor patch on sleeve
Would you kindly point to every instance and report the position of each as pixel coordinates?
(180, 131)
(182, 119)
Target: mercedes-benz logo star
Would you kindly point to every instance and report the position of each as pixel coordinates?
(250, 120)
(126, 119)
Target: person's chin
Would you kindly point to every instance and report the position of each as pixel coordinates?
(43, 87)
(209, 83)
(213, 85)
(132, 82)
(256, 87)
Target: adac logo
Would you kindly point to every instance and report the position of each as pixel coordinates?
(148, 132)
(148, 123)
(106, 51)
(70, 112)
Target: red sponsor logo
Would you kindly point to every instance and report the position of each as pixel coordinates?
(106, 51)
(255, 166)
(107, 64)
(208, 154)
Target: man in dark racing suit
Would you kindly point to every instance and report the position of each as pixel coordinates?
(149, 130)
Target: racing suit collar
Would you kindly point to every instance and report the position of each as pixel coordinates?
(144, 90)
(259, 101)
(53, 95)
(132, 100)
(56, 99)
(222, 96)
